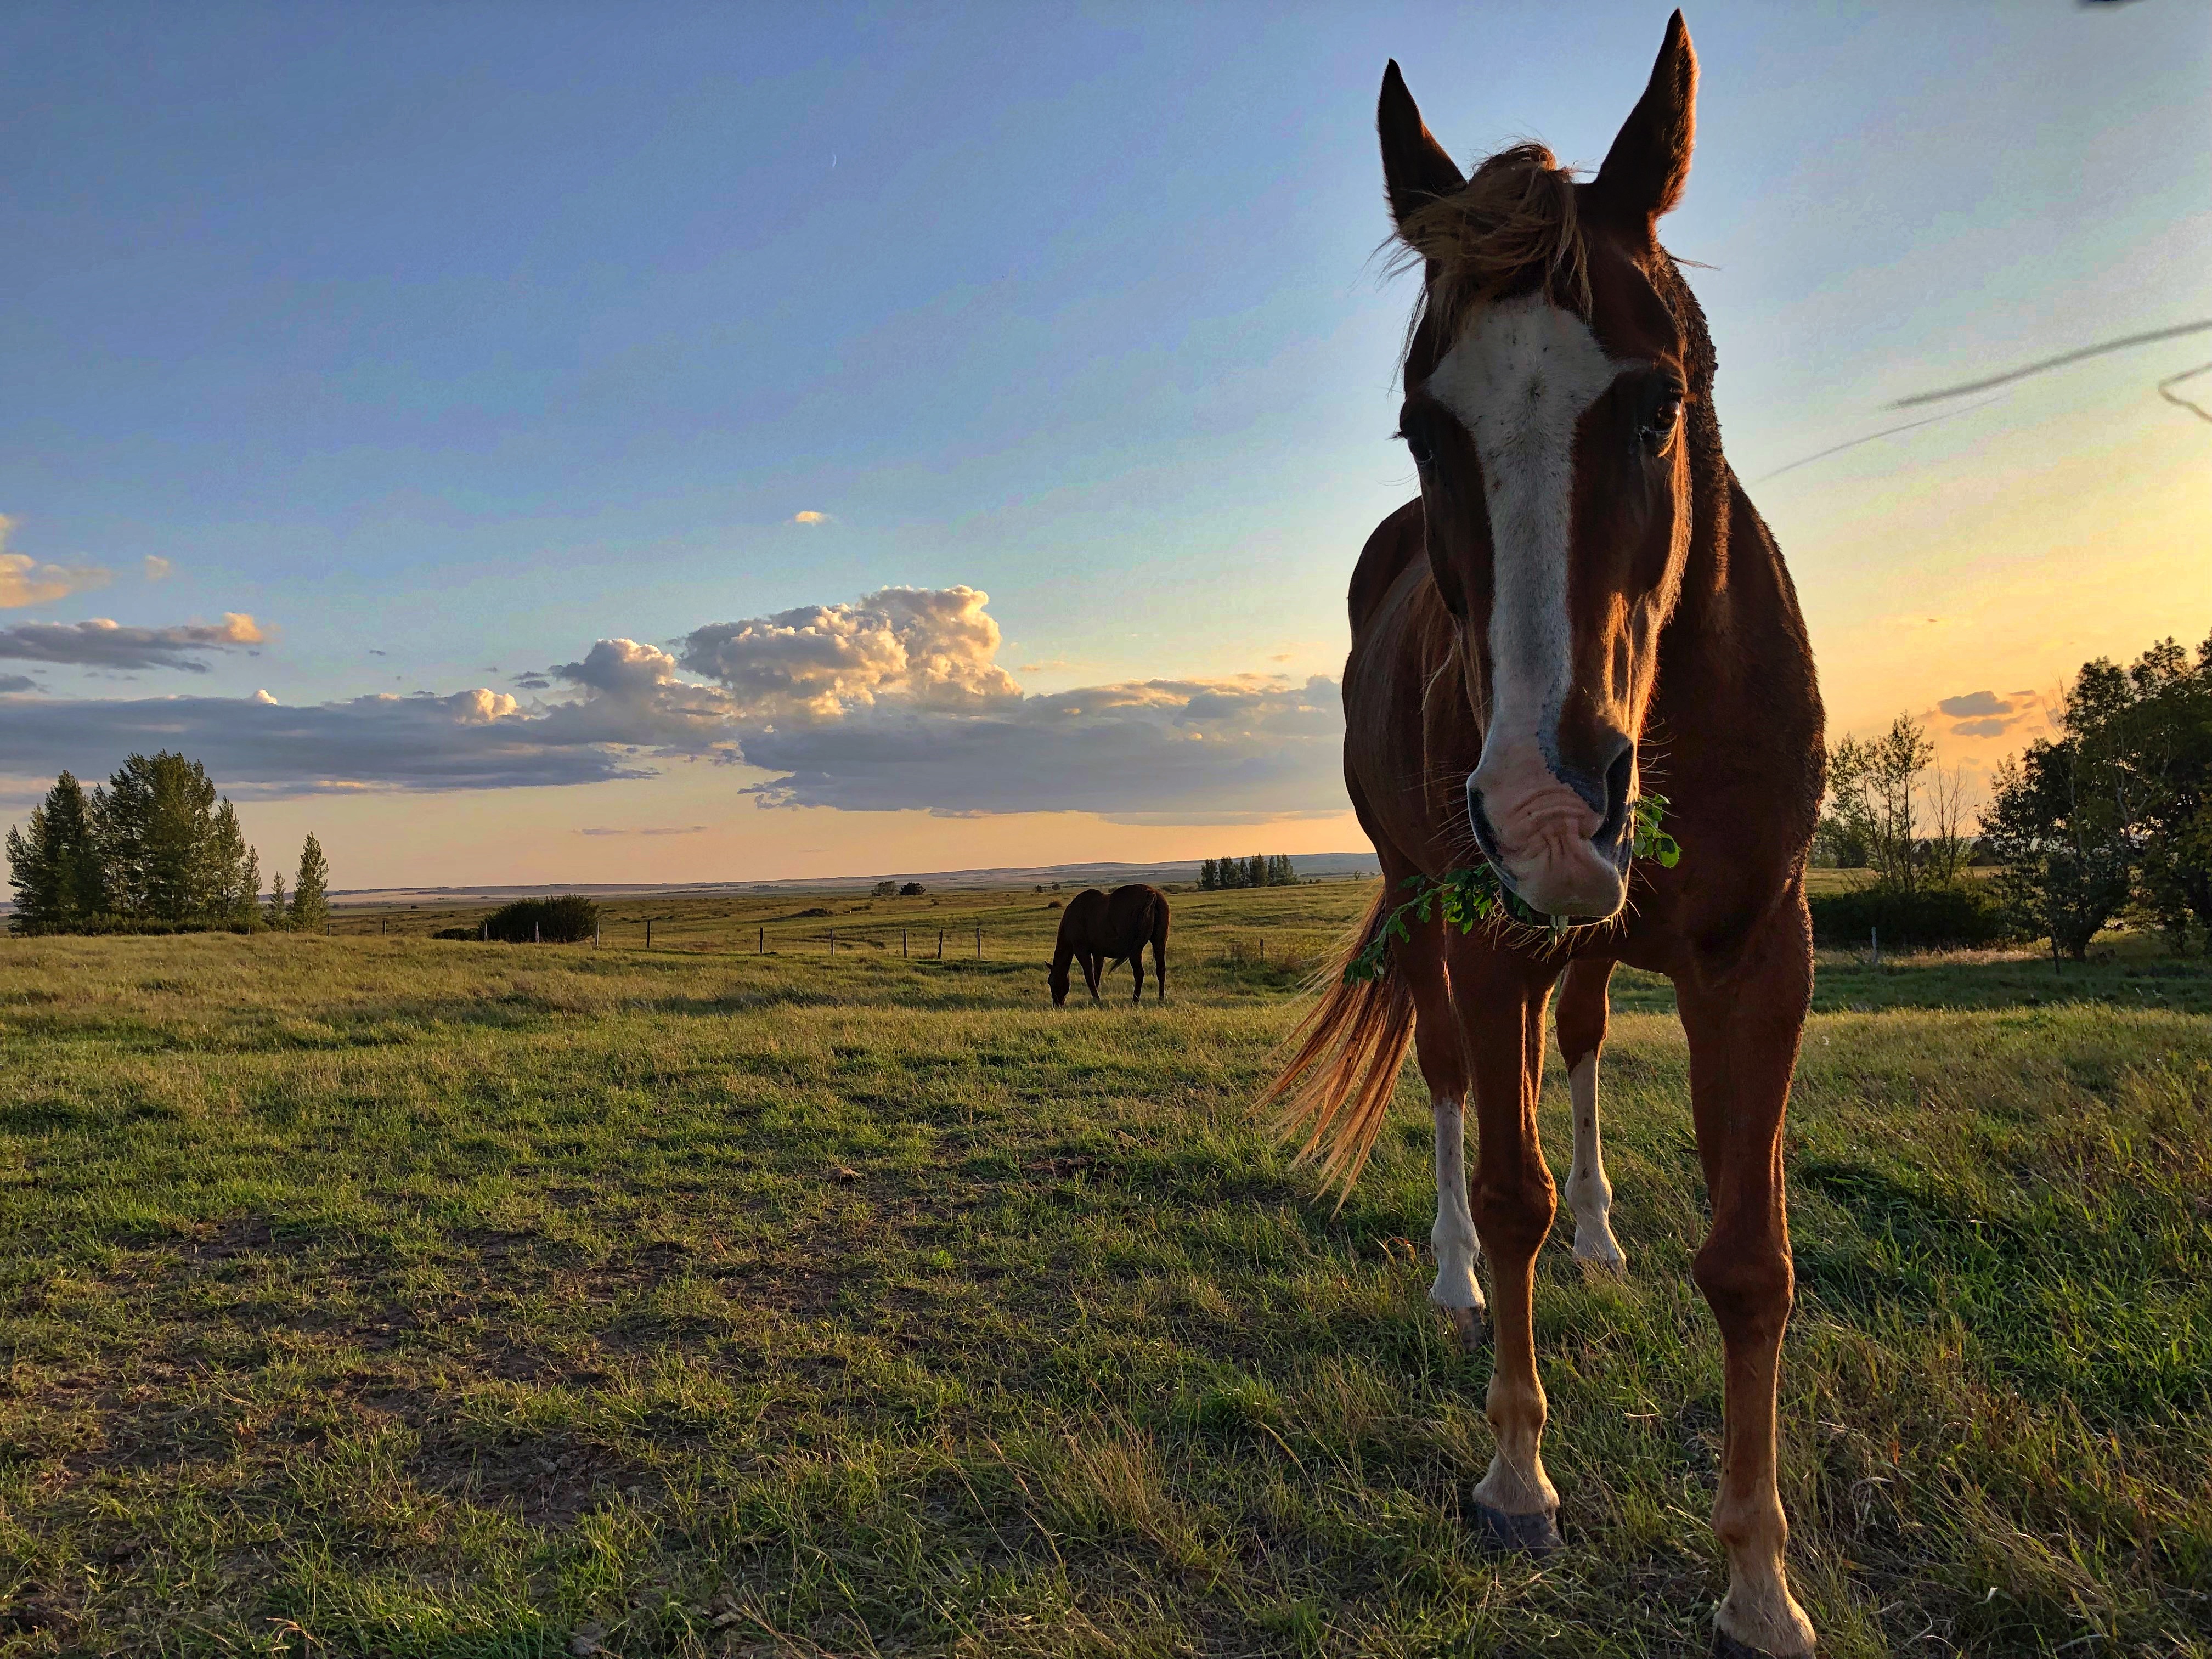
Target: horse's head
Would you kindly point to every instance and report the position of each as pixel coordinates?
(1057, 978)
(1558, 381)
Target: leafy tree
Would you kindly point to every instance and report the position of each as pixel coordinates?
(568, 919)
(2164, 729)
(1209, 875)
(2062, 834)
(311, 904)
(56, 869)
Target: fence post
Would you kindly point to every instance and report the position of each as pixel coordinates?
(979, 944)
(833, 941)
(901, 944)
(940, 944)
(595, 932)
(537, 934)
(648, 933)
(1873, 938)
(760, 942)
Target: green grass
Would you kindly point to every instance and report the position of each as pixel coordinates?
(390, 1296)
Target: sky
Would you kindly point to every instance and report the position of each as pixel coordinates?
(570, 443)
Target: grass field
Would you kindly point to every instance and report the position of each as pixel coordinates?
(383, 1295)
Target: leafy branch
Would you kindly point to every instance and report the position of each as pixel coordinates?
(1474, 897)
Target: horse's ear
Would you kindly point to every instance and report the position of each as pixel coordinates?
(1649, 161)
(1415, 168)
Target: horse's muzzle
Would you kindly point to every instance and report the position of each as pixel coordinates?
(1554, 846)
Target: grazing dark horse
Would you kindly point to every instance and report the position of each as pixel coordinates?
(1582, 588)
(1102, 929)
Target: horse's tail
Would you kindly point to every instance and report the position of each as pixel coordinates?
(1333, 1090)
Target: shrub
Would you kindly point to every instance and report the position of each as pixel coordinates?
(915, 889)
(1933, 917)
(565, 919)
(457, 933)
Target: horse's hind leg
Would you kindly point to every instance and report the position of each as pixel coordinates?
(1581, 1037)
(1160, 961)
(1094, 968)
(1137, 965)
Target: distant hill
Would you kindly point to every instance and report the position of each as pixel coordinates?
(1326, 866)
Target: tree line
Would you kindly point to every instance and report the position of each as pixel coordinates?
(1258, 871)
(152, 850)
(2108, 820)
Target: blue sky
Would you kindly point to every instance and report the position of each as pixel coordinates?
(444, 341)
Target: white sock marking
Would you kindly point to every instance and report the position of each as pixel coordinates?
(1589, 1194)
(1452, 1237)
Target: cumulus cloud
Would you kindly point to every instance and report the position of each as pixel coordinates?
(932, 645)
(157, 568)
(810, 516)
(24, 580)
(894, 701)
(100, 643)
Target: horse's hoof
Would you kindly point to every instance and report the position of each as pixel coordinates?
(1518, 1534)
(1612, 1265)
(1726, 1647)
(1468, 1325)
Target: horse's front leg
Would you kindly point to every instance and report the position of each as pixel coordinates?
(1744, 1029)
(1502, 1022)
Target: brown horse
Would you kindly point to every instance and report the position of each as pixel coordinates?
(1582, 589)
(1100, 930)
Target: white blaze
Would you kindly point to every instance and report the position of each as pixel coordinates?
(1519, 380)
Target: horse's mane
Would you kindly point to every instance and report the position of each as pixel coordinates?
(1513, 225)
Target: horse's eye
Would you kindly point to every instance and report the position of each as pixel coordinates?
(1659, 425)
(1416, 446)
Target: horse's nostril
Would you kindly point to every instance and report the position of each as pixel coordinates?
(1619, 778)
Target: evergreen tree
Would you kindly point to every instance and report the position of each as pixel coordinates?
(156, 820)
(1256, 871)
(277, 915)
(231, 871)
(311, 904)
(56, 869)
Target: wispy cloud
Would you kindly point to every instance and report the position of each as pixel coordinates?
(810, 516)
(24, 580)
(100, 643)
(2044, 365)
(1982, 703)
(658, 829)
(13, 684)
(157, 568)
(1986, 715)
